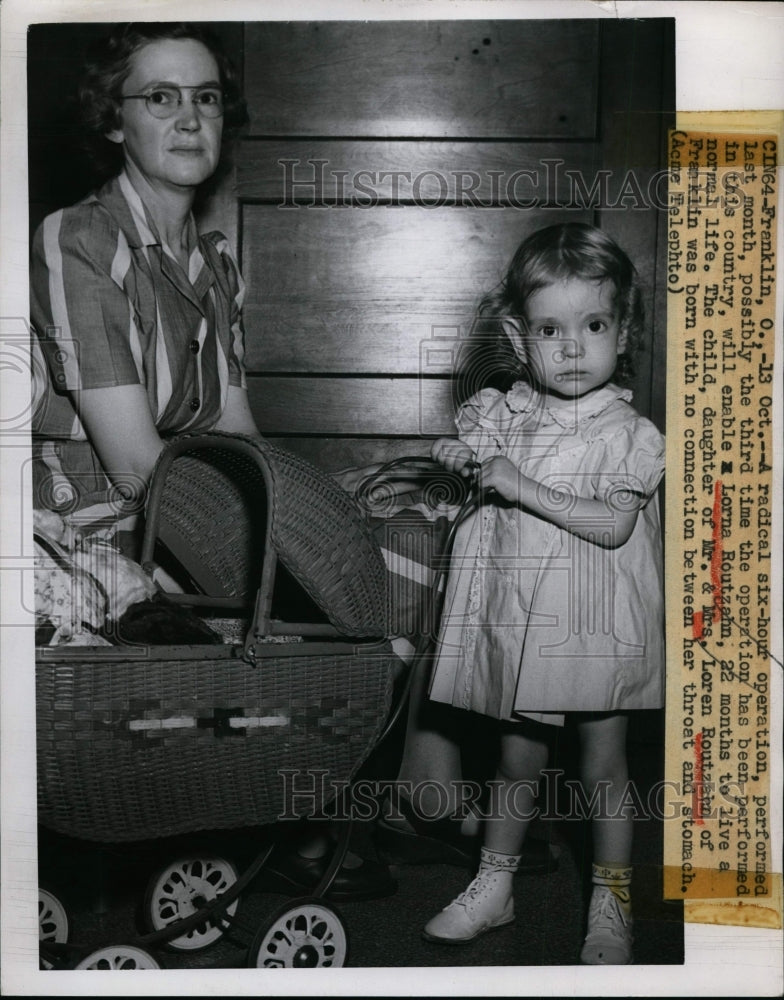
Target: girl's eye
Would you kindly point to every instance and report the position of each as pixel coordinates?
(548, 331)
(596, 325)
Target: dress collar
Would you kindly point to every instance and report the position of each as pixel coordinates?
(144, 223)
(124, 202)
(524, 398)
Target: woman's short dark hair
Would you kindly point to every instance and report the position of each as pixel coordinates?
(108, 65)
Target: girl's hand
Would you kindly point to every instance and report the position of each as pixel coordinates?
(500, 474)
(454, 456)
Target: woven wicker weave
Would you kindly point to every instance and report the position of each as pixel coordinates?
(214, 495)
(142, 743)
(141, 749)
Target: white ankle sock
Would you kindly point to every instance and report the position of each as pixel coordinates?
(495, 861)
(617, 878)
(502, 866)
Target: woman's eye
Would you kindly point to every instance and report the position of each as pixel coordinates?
(162, 97)
(208, 97)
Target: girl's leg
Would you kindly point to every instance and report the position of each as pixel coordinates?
(523, 757)
(432, 763)
(604, 767)
(431, 750)
(423, 820)
(487, 902)
(603, 759)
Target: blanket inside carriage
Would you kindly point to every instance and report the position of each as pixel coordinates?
(87, 593)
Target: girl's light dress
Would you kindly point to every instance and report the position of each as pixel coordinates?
(536, 620)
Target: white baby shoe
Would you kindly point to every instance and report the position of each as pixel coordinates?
(486, 904)
(609, 938)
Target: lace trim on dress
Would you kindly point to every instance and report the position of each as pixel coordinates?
(524, 398)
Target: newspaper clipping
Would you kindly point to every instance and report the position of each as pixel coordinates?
(721, 321)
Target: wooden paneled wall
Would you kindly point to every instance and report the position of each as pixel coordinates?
(390, 171)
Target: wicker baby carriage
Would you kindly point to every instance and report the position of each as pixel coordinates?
(140, 742)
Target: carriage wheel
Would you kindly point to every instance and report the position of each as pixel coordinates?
(118, 956)
(182, 888)
(301, 935)
(52, 921)
(52, 918)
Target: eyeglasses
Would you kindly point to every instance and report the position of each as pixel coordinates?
(164, 102)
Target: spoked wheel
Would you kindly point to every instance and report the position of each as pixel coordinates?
(182, 888)
(52, 922)
(304, 934)
(118, 956)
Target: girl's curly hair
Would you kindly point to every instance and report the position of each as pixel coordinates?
(555, 253)
(107, 66)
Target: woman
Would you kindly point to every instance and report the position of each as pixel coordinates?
(138, 317)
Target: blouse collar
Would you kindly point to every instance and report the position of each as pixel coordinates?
(144, 223)
(123, 201)
(524, 398)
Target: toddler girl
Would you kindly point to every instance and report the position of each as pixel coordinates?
(555, 599)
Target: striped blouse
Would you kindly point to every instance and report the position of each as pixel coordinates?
(111, 306)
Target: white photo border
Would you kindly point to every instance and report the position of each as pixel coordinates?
(728, 56)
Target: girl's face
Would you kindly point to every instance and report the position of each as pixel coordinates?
(573, 337)
(181, 151)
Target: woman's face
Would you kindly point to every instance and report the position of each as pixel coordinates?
(181, 151)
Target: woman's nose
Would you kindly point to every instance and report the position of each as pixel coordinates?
(187, 117)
